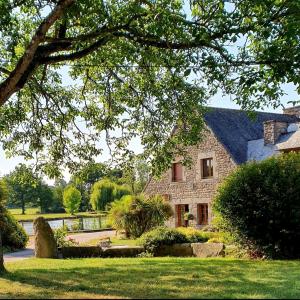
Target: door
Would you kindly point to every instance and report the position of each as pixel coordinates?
(181, 209)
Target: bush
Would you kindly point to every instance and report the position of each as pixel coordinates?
(13, 234)
(71, 199)
(195, 236)
(136, 214)
(60, 236)
(259, 204)
(161, 236)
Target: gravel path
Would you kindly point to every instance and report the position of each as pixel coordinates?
(79, 237)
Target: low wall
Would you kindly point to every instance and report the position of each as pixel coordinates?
(81, 252)
(96, 251)
(201, 250)
(180, 250)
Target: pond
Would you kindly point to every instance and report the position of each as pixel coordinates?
(78, 224)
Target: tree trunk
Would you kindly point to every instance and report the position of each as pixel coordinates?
(2, 268)
(23, 205)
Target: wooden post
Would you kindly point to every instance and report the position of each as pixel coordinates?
(81, 223)
(100, 225)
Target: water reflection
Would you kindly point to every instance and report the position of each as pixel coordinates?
(79, 224)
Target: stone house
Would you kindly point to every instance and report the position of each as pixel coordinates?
(231, 139)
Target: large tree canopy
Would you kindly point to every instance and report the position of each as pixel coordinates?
(140, 67)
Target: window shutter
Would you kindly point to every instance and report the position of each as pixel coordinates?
(177, 172)
(178, 215)
(202, 214)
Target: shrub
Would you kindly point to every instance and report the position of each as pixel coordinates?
(71, 199)
(259, 204)
(161, 236)
(60, 236)
(195, 236)
(136, 214)
(13, 234)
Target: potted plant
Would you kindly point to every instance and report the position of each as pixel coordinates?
(187, 217)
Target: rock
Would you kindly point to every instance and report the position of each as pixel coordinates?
(208, 249)
(105, 242)
(179, 250)
(45, 245)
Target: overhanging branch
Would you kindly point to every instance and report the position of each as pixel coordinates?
(10, 85)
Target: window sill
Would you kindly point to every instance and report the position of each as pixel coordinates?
(208, 179)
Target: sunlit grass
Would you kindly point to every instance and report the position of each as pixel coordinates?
(151, 278)
(114, 241)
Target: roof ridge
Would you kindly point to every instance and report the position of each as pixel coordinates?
(242, 110)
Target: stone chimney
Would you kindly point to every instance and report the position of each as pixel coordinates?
(294, 110)
(272, 131)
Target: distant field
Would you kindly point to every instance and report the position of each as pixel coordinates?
(33, 213)
(29, 211)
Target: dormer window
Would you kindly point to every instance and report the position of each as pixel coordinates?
(207, 168)
(177, 172)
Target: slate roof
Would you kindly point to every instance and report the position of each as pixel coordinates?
(234, 128)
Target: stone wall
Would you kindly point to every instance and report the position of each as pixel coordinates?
(194, 189)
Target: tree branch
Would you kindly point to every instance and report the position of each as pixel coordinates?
(10, 85)
(76, 55)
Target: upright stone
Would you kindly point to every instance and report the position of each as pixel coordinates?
(45, 245)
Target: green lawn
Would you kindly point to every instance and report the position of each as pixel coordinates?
(114, 241)
(151, 278)
(32, 213)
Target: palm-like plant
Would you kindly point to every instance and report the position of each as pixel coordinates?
(137, 214)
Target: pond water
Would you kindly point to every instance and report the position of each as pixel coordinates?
(79, 224)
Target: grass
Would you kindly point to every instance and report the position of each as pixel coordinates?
(32, 213)
(114, 241)
(151, 278)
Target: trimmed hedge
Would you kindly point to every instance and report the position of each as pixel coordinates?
(259, 204)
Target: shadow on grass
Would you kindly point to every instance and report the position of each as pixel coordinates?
(163, 278)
